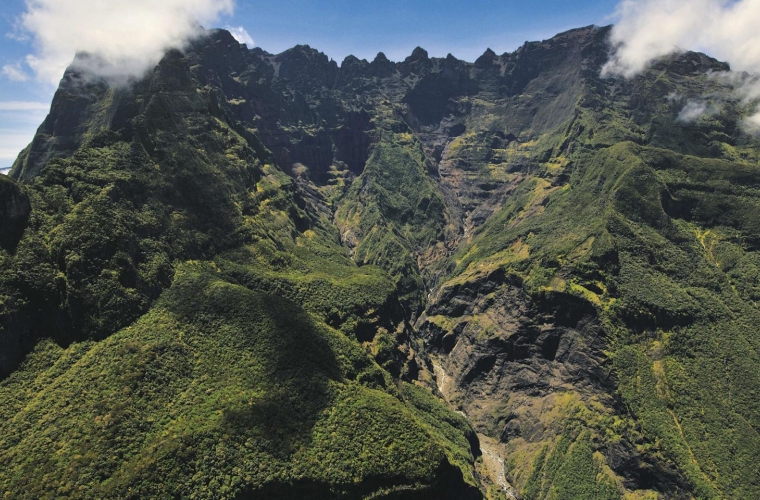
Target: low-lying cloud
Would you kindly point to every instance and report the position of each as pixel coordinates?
(692, 111)
(125, 37)
(726, 30)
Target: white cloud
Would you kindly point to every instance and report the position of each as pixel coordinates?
(126, 37)
(692, 111)
(241, 35)
(14, 73)
(24, 106)
(649, 29)
(752, 124)
(727, 30)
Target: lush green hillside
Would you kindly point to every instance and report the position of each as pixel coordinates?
(632, 267)
(192, 326)
(249, 275)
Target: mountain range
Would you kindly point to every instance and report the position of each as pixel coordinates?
(248, 275)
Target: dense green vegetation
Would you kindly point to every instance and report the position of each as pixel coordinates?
(193, 329)
(663, 246)
(217, 390)
(570, 471)
(572, 265)
(394, 211)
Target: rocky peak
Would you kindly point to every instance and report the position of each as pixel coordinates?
(417, 63)
(221, 52)
(418, 54)
(486, 60)
(352, 70)
(220, 37)
(304, 62)
(351, 63)
(381, 67)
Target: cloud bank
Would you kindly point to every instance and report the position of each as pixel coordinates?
(648, 29)
(126, 37)
(727, 30)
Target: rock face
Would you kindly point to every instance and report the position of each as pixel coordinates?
(15, 209)
(14, 213)
(557, 255)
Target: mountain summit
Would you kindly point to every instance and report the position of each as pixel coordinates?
(249, 275)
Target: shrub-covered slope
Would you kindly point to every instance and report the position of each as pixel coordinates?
(246, 274)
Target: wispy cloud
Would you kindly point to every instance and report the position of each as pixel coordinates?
(24, 106)
(241, 35)
(10, 147)
(694, 110)
(126, 37)
(649, 29)
(14, 73)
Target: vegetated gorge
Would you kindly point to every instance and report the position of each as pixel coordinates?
(249, 275)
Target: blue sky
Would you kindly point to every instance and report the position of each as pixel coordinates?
(338, 28)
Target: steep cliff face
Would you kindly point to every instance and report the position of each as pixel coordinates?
(562, 328)
(564, 259)
(14, 212)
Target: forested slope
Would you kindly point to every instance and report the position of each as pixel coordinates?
(249, 275)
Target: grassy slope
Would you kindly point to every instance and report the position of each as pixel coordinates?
(217, 390)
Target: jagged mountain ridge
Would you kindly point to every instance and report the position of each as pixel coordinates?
(510, 202)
